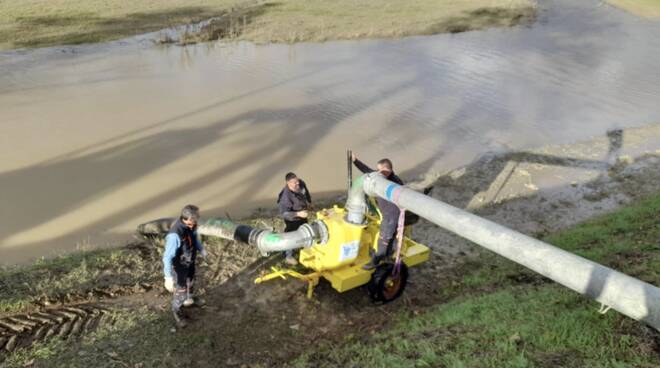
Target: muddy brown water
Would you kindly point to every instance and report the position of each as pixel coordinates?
(99, 138)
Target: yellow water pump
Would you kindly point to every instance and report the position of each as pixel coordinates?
(338, 256)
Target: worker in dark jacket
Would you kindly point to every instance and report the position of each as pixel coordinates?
(294, 202)
(181, 248)
(389, 210)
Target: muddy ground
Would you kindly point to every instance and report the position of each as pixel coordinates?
(270, 324)
(240, 309)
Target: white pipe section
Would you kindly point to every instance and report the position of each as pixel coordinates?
(630, 296)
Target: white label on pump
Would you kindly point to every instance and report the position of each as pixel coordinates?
(349, 250)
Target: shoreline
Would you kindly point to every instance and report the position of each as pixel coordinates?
(288, 21)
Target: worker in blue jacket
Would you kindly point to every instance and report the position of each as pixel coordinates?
(181, 247)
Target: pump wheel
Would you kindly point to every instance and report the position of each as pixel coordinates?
(385, 286)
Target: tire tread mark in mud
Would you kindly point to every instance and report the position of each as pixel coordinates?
(22, 330)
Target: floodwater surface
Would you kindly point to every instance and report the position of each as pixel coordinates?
(99, 138)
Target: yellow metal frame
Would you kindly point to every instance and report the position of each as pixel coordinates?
(312, 279)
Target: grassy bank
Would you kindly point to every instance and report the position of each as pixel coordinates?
(136, 267)
(37, 23)
(644, 8)
(73, 277)
(501, 315)
(496, 314)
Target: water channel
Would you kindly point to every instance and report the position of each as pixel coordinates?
(98, 138)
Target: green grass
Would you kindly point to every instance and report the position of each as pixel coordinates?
(644, 8)
(497, 320)
(139, 337)
(77, 273)
(37, 23)
(516, 327)
(142, 333)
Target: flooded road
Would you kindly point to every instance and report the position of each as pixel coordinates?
(96, 139)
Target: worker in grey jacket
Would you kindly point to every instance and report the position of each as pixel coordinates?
(389, 210)
(294, 203)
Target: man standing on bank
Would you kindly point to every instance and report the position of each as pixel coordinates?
(294, 203)
(181, 247)
(389, 210)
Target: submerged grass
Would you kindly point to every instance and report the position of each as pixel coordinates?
(502, 315)
(38, 23)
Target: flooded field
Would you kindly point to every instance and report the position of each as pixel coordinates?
(96, 139)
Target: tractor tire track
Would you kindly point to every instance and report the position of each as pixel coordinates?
(65, 322)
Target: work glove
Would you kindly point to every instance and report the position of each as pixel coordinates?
(203, 253)
(169, 284)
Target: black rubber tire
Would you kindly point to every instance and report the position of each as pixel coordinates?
(383, 288)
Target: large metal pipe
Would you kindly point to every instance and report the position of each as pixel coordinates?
(265, 240)
(356, 204)
(630, 296)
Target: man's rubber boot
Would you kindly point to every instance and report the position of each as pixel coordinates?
(194, 301)
(375, 260)
(179, 319)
